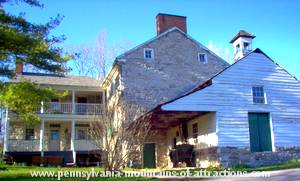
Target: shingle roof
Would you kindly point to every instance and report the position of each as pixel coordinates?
(242, 33)
(52, 79)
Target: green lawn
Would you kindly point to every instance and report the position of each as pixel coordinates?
(12, 173)
(15, 173)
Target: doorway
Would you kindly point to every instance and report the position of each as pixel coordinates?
(54, 142)
(81, 106)
(260, 132)
(149, 155)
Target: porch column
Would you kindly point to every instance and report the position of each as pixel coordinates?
(42, 107)
(6, 135)
(73, 102)
(73, 141)
(42, 131)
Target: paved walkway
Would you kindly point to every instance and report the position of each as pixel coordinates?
(279, 175)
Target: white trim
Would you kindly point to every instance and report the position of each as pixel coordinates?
(73, 140)
(152, 53)
(6, 135)
(272, 132)
(42, 130)
(205, 58)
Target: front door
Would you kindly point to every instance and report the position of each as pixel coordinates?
(149, 155)
(260, 132)
(81, 106)
(54, 142)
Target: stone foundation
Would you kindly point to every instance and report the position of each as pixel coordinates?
(230, 156)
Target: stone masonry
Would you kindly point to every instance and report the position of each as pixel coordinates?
(174, 70)
(231, 156)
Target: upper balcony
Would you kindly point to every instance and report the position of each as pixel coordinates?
(76, 103)
(71, 108)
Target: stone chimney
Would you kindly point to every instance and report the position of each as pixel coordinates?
(165, 22)
(242, 44)
(19, 67)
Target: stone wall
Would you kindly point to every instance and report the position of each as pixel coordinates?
(174, 70)
(233, 156)
(230, 156)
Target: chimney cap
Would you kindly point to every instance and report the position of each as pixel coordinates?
(242, 33)
(165, 14)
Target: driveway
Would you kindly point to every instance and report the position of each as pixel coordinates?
(279, 175)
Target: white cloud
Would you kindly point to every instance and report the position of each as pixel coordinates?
(221, 50)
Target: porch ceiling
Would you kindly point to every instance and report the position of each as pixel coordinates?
(164, 119)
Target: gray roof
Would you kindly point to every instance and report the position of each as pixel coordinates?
(52, 79)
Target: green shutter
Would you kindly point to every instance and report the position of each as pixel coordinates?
(264, 132)
(260, 132)
(254, 134)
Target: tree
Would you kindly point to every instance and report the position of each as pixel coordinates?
(24, 99)
(95, 59)
(24, 42)
(121, 135)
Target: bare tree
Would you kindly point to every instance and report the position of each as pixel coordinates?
(123, 135)
(95, 59)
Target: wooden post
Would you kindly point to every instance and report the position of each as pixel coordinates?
(73, 102)
(73, 141)
(6, 135)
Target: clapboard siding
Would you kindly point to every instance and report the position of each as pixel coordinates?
(230, 96)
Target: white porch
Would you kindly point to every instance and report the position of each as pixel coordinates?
(50, 136)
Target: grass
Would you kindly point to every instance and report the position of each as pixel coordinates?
(291, 164)
(18, 173)
(12, 173)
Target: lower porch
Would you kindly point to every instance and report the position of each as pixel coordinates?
(62, 140)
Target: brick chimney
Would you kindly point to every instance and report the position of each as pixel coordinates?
(168, 21)
(19, 67)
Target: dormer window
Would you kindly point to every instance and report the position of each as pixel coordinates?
(202, 57)
(148, 53)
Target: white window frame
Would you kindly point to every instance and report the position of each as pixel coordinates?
(265, 96)
(205, 58)
(152, 53)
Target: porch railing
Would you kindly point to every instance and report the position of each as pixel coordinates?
(85, 145)
(70, 108)
(23, 145)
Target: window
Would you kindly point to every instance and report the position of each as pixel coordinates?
(148, 53)
(238, 48)
(202, 57)
(246, 46)
(82, 132)
(29, 134)
(195, 130)
(258, 95)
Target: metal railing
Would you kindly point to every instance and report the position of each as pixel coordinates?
(70, 108)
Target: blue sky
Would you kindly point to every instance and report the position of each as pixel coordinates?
(275, 23)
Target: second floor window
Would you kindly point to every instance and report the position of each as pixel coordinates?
(202, 57)
(29, 134)
(148, 53)
(258, 95)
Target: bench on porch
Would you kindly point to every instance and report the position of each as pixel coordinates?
(47, 160)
